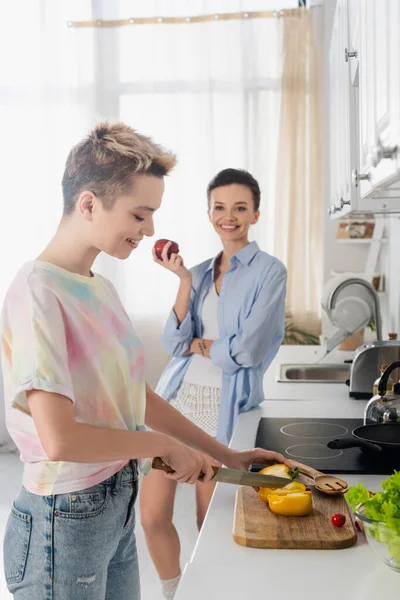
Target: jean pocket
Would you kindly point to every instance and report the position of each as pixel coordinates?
(83, 504)
(16, 545)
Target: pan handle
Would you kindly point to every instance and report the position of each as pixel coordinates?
(344, 443)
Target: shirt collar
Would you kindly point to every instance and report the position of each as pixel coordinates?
(244, 255)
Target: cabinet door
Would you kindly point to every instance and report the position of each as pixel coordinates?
(366, 99)
(337, 112)
(354, 38)
(342, 194)
(379, 97)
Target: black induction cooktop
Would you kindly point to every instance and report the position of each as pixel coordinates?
(305, 440)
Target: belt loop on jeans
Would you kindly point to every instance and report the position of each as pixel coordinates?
(116, 481)
(135, 468)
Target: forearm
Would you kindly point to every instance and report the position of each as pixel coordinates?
(182, 301)
(162, 417)
(64, 439)
(200, 346)
(90, 444)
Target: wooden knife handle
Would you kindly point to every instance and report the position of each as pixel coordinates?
(160, 465)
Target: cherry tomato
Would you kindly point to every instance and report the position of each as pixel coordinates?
(338, 520)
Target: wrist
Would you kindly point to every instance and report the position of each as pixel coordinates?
(223, 454)
(164, 444)
(186, 278)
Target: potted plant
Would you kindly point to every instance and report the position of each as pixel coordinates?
(294, 335)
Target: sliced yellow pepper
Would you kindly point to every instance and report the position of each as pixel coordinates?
(293, 486)
(278, 470)
(292, 505)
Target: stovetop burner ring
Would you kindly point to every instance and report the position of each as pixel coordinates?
(319, 450)
(314, 430)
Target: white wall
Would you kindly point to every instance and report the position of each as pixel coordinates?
(393, 275)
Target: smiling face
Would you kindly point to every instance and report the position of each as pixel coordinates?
(119, 230)
(232, 212)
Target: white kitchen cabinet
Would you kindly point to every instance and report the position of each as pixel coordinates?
(365, 39)
(341, 118)
(379, 116)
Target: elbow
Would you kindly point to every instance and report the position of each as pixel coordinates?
(55, 452)
(175, 349)
(249, 359)
(57, 449)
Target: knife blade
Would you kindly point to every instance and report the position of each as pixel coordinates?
(224, 475)
(234, 476)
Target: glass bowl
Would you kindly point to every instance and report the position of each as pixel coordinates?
(384, 541)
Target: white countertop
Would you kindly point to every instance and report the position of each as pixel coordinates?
(220, 568)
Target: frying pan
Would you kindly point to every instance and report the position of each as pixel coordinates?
(379, 437)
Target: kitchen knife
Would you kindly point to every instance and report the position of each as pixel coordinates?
(224, 475)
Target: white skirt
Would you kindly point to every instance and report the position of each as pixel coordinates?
(198, 397)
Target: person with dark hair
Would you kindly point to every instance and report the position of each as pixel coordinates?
(224, 330)
(77, 403)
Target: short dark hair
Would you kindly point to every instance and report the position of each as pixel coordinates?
(239, 176)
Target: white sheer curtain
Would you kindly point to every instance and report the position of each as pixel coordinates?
(46, 103)
(209, 91)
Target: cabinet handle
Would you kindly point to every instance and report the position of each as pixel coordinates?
(379, 151)
(332, 210)
(348, 54)
(336, 208)
(356, 177)
(343, 203)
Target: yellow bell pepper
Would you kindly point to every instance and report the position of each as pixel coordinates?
(297, 504)
(293, 486)
(278, 470)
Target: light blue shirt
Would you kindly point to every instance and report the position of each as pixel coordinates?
(251, 317)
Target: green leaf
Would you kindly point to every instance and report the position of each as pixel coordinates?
(383, 506)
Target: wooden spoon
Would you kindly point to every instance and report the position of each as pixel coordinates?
(327, 484)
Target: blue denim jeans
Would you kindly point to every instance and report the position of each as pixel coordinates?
(77, 546)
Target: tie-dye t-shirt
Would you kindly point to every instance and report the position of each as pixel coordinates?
(69, 334)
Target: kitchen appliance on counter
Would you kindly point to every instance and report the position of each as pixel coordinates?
(385, 406)
(305, 440)
(367, 363)
(350, 303)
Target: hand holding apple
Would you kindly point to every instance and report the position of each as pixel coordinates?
(165, 253)
(159, 247)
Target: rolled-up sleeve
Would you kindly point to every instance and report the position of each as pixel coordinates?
(262, 331)
(176, 338)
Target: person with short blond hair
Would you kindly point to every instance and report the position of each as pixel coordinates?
(76, 398)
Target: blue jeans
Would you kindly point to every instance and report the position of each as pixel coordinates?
(77, 546)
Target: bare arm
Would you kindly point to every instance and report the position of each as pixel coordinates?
(64, 439)
(162, 417)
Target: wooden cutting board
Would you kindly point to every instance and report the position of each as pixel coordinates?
(255, 526)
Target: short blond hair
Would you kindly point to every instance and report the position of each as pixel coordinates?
(106, 160)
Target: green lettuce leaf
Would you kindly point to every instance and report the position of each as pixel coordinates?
(383, 506)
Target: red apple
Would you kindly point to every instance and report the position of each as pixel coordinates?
(159, 245)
